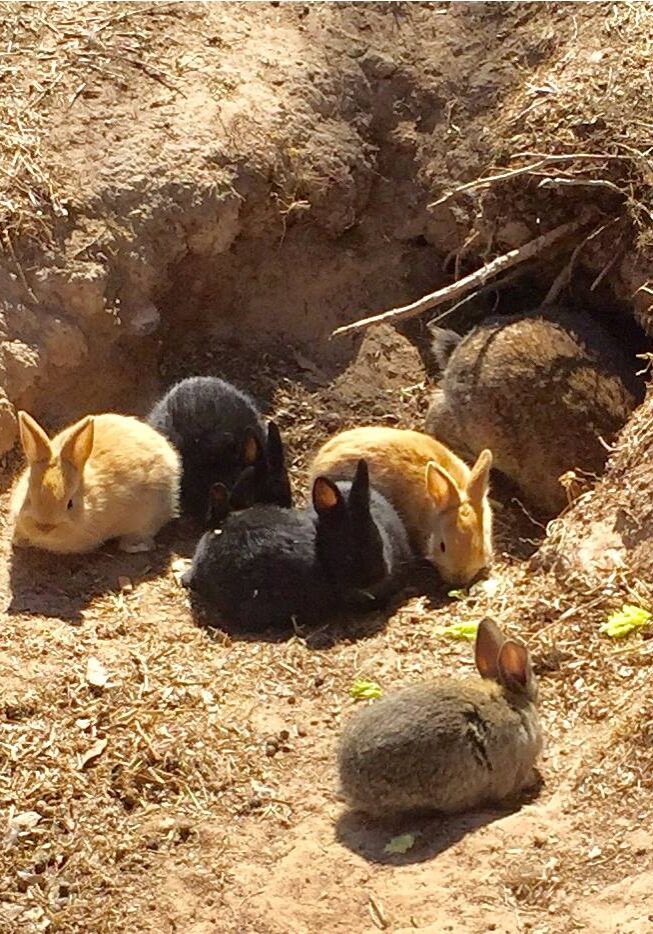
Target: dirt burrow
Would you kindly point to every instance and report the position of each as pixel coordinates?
(251, 170)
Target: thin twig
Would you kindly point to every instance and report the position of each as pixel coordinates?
(154, 74)
(513, 173)
(490, 287)
(566, 156)
(618, 253)
(550, 181)
(18, 266)
(465, 285)
(563, 277)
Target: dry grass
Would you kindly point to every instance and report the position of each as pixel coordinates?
(52, 54)
(576, 135)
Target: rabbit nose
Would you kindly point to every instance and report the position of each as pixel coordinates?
(44, 526)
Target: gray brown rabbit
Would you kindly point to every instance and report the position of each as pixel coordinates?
(449, 745)
(546, 392)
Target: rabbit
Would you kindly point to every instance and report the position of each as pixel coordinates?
(218, 431)
(443, 504)
(107, 476)
(264, 480)
(268, 566)
(449, 745)
(545, 391)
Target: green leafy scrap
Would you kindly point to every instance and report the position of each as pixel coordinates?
(365, 690)
(457, 594)
(400, 844)
(626, 620)
(466, 631)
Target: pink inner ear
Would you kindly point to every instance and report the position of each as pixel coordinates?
(441, 487)
(34, 440)
(513, 660)
(489, 640)
(324, 496)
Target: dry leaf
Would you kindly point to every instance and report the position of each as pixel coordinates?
(179, 567)
(25, 820)
(98, 747)
(96, 673)
(19, 824)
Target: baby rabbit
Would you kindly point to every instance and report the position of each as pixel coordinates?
(450, 745)
(219, 433)
(268, 566)
(264, 480)
(543, 391)
(443, 504)
(104, 477)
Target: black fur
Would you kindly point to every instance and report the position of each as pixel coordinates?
(222, 439)
(269, 566)
(361, 541)
(264, 481)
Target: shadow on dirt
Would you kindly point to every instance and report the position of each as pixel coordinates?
(61, 586)
(425, 835)
(422, 580)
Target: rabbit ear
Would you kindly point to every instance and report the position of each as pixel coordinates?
(252, 450)
(326, 496)
(480, 477)
(218, 503)
(515, 666)
(359, 495)
(34, 440)
(77, 447)
(441, 487)
(274, 448)
(489, 642)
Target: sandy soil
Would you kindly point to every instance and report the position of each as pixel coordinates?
(195, 790)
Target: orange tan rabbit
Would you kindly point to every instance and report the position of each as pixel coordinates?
(443, 503)
(106, 476)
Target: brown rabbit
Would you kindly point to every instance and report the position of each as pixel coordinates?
(106, 476)
(449, 745)
(444, 504)
(544, 392)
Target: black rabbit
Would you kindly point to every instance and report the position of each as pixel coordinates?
(269, 566)
(222, 439)
(264, 480)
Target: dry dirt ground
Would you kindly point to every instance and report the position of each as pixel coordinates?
(195, 790)
(211, 188)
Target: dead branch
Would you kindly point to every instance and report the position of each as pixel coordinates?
(466, 284)
(483, 290)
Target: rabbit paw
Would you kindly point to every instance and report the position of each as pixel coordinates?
(135, 543)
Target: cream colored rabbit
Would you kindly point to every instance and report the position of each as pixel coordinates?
(449, 745)
(106, 476)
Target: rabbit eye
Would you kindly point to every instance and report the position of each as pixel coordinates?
(70, 504)
(443, 547)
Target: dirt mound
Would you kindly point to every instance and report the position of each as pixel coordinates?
(263, 169)
(610, 529)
